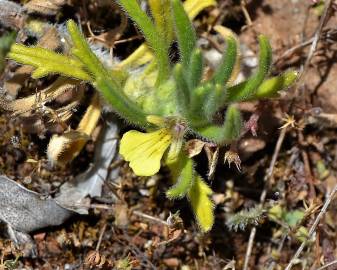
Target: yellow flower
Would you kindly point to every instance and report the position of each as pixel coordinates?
(144, 151)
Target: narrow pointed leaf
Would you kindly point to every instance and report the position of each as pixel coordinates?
(143, 54)
(195, 69)
(224, 71)
(161, 12)
(247, 89)
(202, 205)
(215, 100)
(271, 87)
(82, 51)
(153, 38)
(103, 81)
(228, 33)
(226, 133)
(183, 172)
(182, 92)
(198, 99)
(185, 32)
(48, 62)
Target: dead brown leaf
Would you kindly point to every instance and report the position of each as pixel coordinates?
(194, 147)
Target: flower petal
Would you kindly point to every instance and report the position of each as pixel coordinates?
(145, 150)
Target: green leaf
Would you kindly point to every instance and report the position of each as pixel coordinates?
(247, 89)
(292, 218)
(233, 123)
(195, 69)
(228, 132)
(103, 81)
(154, 39)
(48, 62)
(82, 51)
(198, 98)
(182, 92)
(271, 87)
(120, 103)
(202, 205)
(183, 172)
(161, 12)
(185, 32)
(215, 100)
(224, 72)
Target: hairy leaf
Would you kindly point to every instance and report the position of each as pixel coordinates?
(202, 205)
(195, 69)
(161, 12)
(226, 133)
(153, 38)
(48, 62)
(214, 101)
(227, 33)
(182, 93)
(143, 55)
(270, 88)
(225, 70)
(183, 173)
(185, 32)
(247, 89)
(103, 81)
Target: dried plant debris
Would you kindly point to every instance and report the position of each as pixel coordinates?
(50, 7)
(12, 14)
(63, 148)
(5, 44)
(90, 183)
(38, 100)
(318, 117)
(27, 211)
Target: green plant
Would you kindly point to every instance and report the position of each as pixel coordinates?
(178, 100)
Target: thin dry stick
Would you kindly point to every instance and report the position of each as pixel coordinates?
(135, 212)
(154, 219)
(243, 5)
(327, 265)
(316, 38)
(101, 237)
(313, 227)
(279, 249)
(264, 193)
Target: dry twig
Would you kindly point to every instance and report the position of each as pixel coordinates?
(327, 265)
(264, 193)
(313, 227)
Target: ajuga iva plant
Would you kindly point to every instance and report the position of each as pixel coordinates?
(178, 100)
